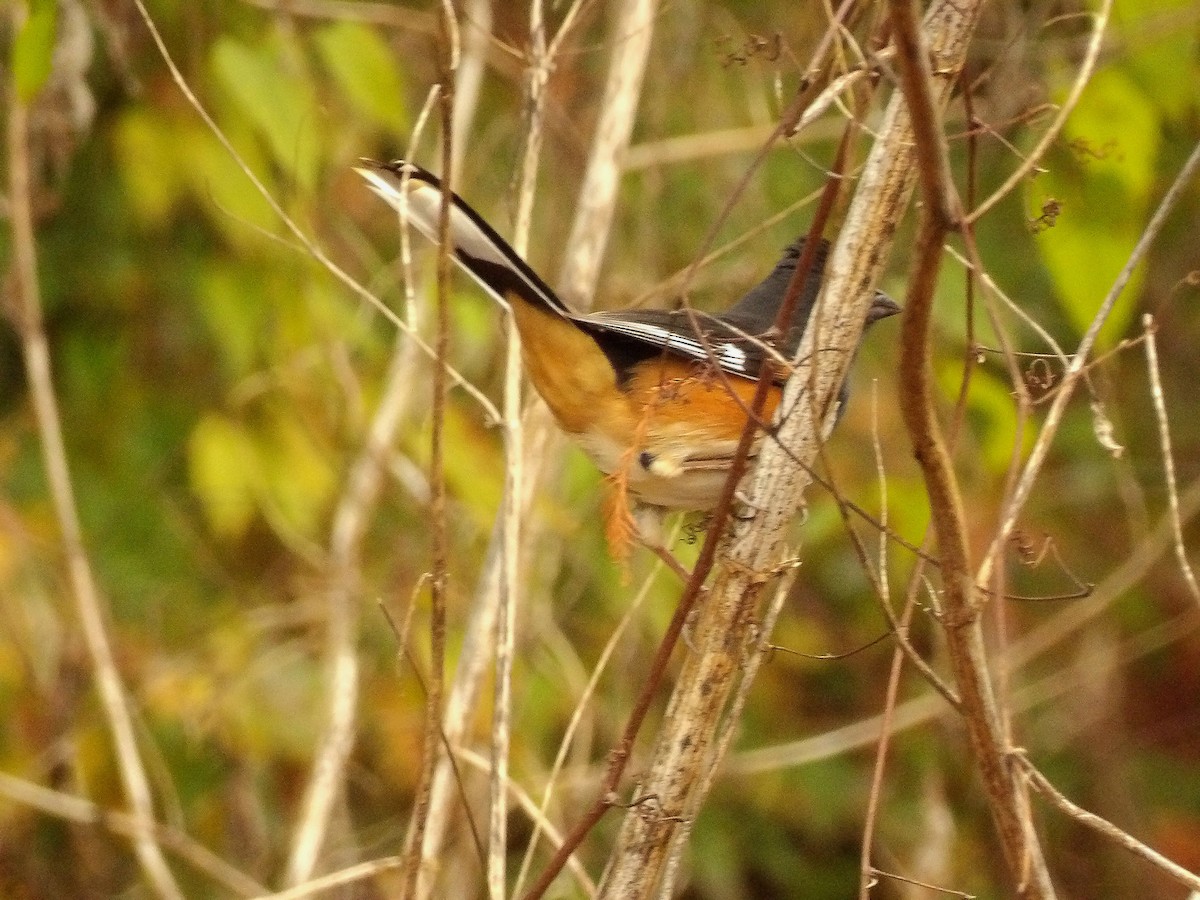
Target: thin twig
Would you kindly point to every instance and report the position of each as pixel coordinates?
(594, 211)
(350, 520)
(874, 799)
(476, 35)
(585, 696)
(1042, 784)
(703, 145)
(1100, 23)
(916, 82)
(317, 886)
(878, 580)
(512, 513)
(476, 651)
(448, 50)
(996, 291)
(536, 816)
(1020, 654)
(1075, 370)
(1164, 437)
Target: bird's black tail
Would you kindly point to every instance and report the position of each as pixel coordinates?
(499, 269)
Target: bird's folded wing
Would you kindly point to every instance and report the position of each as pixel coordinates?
(698, 336)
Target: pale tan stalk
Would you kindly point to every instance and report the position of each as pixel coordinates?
(722, 632)
(89, 605)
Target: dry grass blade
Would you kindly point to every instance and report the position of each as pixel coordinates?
(77, 809)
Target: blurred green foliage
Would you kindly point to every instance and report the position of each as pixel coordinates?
(216, 383)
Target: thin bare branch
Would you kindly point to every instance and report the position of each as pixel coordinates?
(1020, 653)
(982, 711)
(924, 109)
(866, 869)
(317, 886)
(581, 704)
(594, 211)
(536, 815)
(448, 52)
(513, 510)
(1164, 437)
(1042, 784)
(476, 33)
(539, 438)
(350, 520)
(704, 145)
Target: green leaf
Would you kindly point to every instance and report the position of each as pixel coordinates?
(278, 101)
(991, 416)
(364, 69)
(232, 300)
(33, 49)
(1168, 67)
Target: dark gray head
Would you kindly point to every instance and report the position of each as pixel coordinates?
(756, 312)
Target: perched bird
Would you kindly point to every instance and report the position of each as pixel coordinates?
(657, 398)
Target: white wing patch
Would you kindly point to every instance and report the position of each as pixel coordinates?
(735, 355)
(728, 355)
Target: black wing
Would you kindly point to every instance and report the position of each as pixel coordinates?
(635, 335)
(734, 340)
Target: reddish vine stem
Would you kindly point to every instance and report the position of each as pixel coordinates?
(917, 404)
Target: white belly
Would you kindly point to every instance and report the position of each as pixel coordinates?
(669, 486)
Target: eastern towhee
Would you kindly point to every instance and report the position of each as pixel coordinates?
(657, 398)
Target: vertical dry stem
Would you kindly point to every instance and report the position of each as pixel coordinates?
(539, 73)
(435, 683)
(1164, 438)
(630, 42)
(351, 518)
(593, 214)
(88, 604)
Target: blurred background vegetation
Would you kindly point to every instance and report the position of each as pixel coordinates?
(216, 382)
